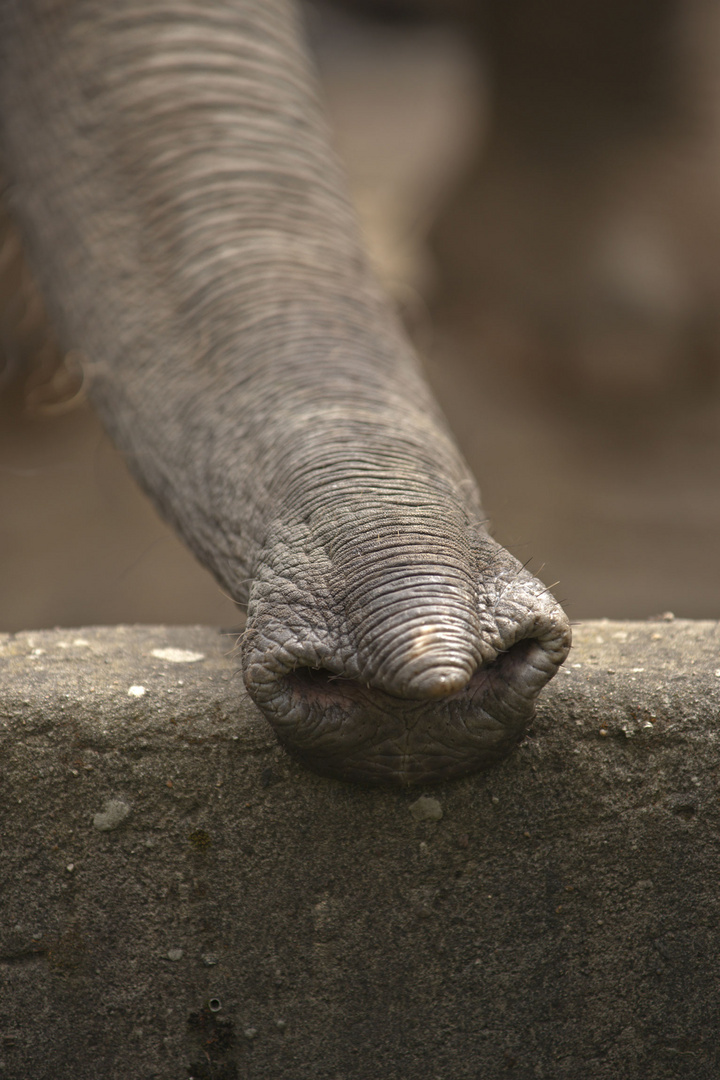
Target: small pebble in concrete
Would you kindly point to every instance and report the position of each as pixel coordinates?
(136, 691)
(178, 656)
(209, 959)
(113, 813)
(426, 809)
(175, 954)
(250, 1032)
(281, 1024)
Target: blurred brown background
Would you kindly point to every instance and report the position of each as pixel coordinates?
(594, 430)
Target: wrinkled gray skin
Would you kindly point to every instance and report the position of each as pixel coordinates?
(169, 165)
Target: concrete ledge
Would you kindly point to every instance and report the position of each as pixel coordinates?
(178, 899)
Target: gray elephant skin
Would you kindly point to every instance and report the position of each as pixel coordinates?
(169, 166)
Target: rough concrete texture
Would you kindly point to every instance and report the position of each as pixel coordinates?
(179, 899)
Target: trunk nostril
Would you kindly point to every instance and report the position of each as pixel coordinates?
(319, 686)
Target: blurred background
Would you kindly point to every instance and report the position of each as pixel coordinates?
(542, 201)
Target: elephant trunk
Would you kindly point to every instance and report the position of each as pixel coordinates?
(170, 168)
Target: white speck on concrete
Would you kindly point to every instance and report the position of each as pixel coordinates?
(621, 635)
(717, 674)
(38, 652)
(113, 813)
(136, 691)
(426, 809)
(178, 656)
(81, 642)
(637, 670)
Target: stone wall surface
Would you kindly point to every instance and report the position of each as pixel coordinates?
(179, 899)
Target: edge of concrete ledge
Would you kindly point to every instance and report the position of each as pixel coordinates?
(112, 685)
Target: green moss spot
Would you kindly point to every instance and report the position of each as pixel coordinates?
(200, 840)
